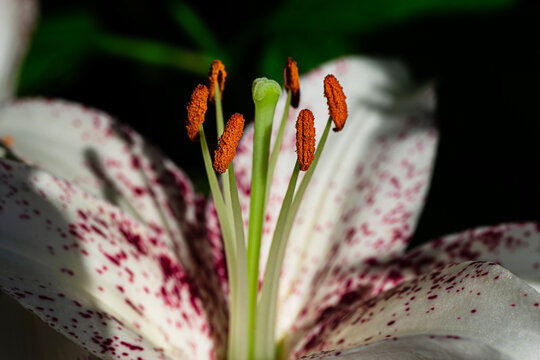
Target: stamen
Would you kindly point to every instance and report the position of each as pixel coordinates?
(336, 101)
(196, 110)
(216, 76)
(224, 154)
(305, 139)
(7, 141)
(292, 81)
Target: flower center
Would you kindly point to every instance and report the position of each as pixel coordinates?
(252, 313)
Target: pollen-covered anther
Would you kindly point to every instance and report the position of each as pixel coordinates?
(7, 141)
(226, 150)
(196, 111)
(335, 98)
(305, 139)
(216, 77)
(292, 81)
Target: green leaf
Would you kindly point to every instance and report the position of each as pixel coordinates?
(59, 47)
(196, 29)
(154, 53)
(343, 16)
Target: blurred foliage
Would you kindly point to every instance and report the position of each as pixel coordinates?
(312, 31)
(59, 48)
(317, 30)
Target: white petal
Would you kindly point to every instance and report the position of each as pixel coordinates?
(16, 20)
(420, 347)
(111, 161)
(480, 301)
(514, 246)
(95, 274)
(368, 189)
(103, 157)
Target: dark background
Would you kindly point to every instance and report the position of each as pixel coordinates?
(139, 61)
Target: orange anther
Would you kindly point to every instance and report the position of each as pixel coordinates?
(228, 142)
(292, 82)
(305, 139)
(216, 76)
(196, 110)
(335, 99)
(7, 141)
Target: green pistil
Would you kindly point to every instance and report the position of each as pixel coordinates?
(267, 310)
(265, 96)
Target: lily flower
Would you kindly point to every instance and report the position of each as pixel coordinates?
(107, 242)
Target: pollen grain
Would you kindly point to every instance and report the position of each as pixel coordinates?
(216, 76)
(226, 150)
(305, 139)
(292, 81)
(335, 98)
(196, 111)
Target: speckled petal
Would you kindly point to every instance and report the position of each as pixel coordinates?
(420, 347)
(104, 158)
(514, 246)
(16, 24)
(25, 336)
(477, 300)
(95, 274)
(367, 191)
(111, 161)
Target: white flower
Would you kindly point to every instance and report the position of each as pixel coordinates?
(107, 242)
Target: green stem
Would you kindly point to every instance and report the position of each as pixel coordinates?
(237, 214)
(265, 95)
(277, 145)
(225, 178)
(219, 110)
(228, 239)
(241, 299)
(305, 180)
(267, 308)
